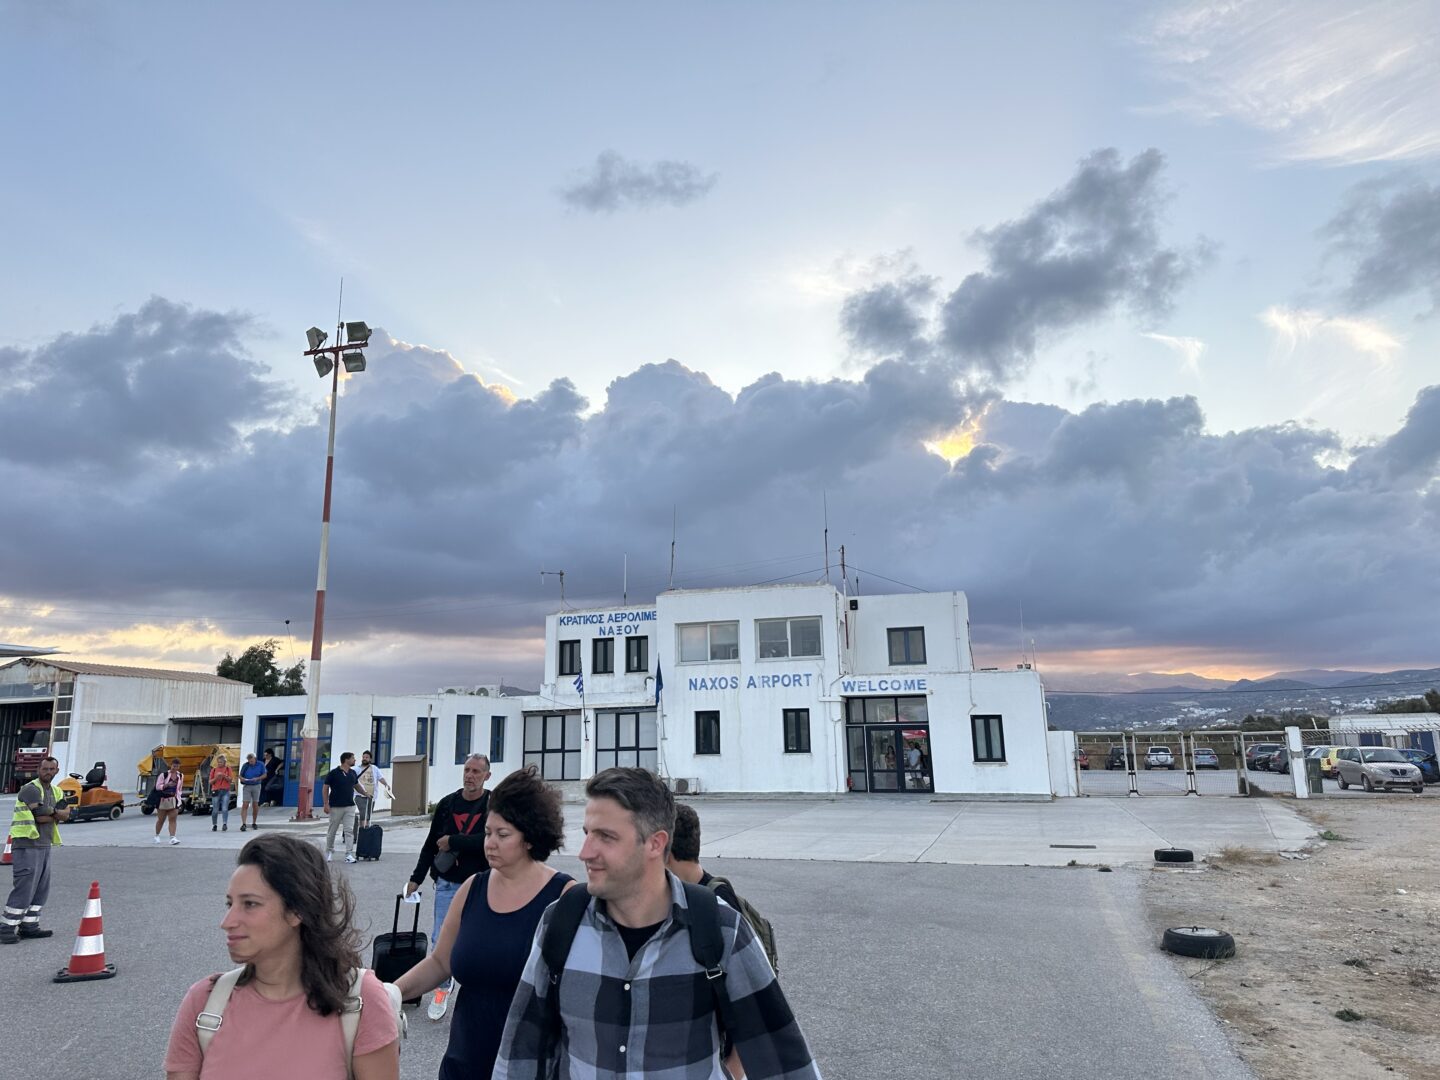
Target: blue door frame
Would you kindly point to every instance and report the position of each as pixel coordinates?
(282, 735)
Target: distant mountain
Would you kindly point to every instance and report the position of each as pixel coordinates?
(1272, 684)
(1422, 678)
(1319, 676)
(1102, 682)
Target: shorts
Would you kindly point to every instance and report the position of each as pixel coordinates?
(251, 794)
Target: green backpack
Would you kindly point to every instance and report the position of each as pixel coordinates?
(761, 925)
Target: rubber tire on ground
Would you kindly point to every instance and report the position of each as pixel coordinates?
(1174, 855)
(1200, 942)
(1419, 789)
(116, 811)
(1366, 784)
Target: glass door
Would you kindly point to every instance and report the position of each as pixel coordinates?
(885, 759)
(855, 752)
(919, 775)
(281, 734)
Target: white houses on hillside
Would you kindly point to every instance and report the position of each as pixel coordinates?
(782, 688)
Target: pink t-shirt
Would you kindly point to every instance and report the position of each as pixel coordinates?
(256, 1033)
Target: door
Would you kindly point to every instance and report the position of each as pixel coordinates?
(886, 760)
(855, 755)
(915, 759)
(281, 734)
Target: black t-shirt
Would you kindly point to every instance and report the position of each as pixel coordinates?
(723, 890)
(636, 936)
(341, 783)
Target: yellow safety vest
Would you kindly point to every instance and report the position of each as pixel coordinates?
(23, 825)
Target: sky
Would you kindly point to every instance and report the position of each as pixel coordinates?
(1120, 318)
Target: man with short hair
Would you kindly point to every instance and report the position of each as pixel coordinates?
(454, 849)
(34, 830)
(339, 801)
(252, 779)
(365, 789)
(684, 859)
(633, 1000)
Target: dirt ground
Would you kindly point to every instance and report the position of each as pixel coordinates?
(1355, 927)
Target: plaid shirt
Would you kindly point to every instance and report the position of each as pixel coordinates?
(652, 1016)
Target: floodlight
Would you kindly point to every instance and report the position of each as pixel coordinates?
(357, 333)
(354, 361)
(323, 366)
(316, 337)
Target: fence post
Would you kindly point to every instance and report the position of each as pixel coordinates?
(1300, 779)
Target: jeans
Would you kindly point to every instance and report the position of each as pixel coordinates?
(444, 893)
(342, 818)
(220, 806)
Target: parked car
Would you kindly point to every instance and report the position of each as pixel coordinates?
(1427, 764)
(1257, 755)
(1082, 758)
(1327, 762)
(1159, 757)
(1119, 759)
(1377, 767)
(1206, 758)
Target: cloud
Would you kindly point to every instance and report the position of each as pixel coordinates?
(1330, 80)
(1086, 252)
(617, 184)
(1126, 525)
(1298, 326)
(1390, 231)
(1189, 349)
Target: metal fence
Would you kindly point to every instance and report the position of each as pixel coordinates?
(1178, 762)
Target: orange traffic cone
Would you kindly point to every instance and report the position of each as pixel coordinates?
(87, 959)
(6, 859)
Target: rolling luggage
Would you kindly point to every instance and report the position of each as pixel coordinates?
(398, 951)
(368, 840)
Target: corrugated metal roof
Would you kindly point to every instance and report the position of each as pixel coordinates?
(76, 667)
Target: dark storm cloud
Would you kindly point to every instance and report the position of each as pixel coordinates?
(1089, 250)
(1390, 231)
(613, 183)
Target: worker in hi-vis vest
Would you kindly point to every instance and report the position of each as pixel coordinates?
(34, 830)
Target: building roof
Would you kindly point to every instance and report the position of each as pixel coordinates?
(76, 667)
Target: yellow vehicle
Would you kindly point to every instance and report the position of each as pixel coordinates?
(1327, 762)
(195, 764)
(89, 798)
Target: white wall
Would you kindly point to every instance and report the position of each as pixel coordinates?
(1063, 781)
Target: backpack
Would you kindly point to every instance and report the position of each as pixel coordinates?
(706, 946)
(761, 925)
(208, 1022)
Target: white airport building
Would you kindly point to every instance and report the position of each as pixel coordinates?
(757, 689)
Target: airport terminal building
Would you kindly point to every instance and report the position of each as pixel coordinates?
(757, 689)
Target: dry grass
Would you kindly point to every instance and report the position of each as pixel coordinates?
(1242, 856)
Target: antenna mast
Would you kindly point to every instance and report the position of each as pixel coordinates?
(555, 573)
(674, 518)
(625, 581)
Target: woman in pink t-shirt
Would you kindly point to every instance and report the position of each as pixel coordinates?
(295, 985)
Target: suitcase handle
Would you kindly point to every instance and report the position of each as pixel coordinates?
(395, 926)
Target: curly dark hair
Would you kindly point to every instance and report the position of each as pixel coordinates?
(533, 807)
(329, 942)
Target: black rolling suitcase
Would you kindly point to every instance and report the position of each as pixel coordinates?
(398, 951)
(368, 841)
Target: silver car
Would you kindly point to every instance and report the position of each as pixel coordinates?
(1376, 767)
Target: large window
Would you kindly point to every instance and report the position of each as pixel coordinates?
(707, 732)
(425, 737)
(463, 727)
(797, 731)
(569, 658)
(627, 738)
(637, 654)
(382, 738)
(497, 739)
(700, 642)
(780, 638)
(552, 742)
(907, 645)
(602, 656)
(989, 736)
(887, 710)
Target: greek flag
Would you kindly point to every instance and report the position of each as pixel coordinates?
(659, 682)
(580, 684)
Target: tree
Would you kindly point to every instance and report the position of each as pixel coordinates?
(256, 666)
(1429, 703)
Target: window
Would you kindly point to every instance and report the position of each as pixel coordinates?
(64, 704)
(382, 736)
(602, 656)
(627, 738)
(425, 738)
(569, 658)
(989, 735)
(707, 732)
(497, 739)
(797, 731)
(709, 641)
(637, 654)
(907, 645)
(463, 725)
(552, 743)
(780, 638)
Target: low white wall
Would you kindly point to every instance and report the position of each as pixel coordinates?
(1063, 782)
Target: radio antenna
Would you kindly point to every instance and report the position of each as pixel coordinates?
(674, 519)
(555, 573)
(825, 497)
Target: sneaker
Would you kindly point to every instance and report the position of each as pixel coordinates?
(329, 856)
(224, 828)
(438, 1004)
(157, 838)
(174, 840)
(242, 828)
(35, 932)
(214, 828)
(349, 858)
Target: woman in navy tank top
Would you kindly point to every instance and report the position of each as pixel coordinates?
(488, 933)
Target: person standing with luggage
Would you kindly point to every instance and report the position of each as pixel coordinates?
(171, 786)
(366, 782)
(252, 779)
(454, 849)
(339, 801)
(221, 781)
(34, 830)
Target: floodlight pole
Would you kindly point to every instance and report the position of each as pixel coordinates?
(310, 733)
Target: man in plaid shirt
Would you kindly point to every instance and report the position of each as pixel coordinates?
(633, 1001)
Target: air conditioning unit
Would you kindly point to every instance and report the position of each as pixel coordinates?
(681, 785)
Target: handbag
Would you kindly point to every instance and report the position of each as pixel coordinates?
(444, 862)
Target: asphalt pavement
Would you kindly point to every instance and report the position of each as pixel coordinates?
(914, 969)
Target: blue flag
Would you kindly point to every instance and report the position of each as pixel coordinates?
(659, 682)
(580, 685)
